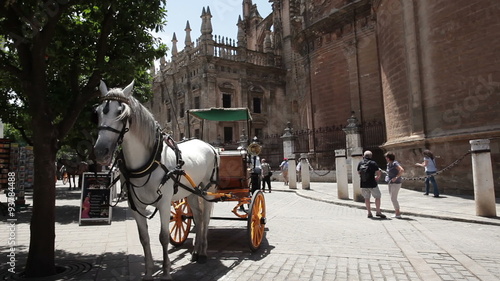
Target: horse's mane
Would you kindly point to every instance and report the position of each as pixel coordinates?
(142, 122)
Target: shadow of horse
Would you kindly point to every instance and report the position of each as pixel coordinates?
(73, 168)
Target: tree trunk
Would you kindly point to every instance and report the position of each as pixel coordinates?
(41, 256)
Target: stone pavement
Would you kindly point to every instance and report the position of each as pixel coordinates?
(412, 203)
(100, 252)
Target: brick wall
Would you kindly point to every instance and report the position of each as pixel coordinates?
(460, 42)
(393, 69)
(457, 55)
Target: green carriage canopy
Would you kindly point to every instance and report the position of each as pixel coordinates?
(222, 114)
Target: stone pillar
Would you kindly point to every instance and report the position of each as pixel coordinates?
(356, 157)
(484, 192)
(341, 173)
(292, 173)
(288, 150)
(355, 151)
(304, 171)
(353, 134)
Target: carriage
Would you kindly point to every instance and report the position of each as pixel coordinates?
(237, 182)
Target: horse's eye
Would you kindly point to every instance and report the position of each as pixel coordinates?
(105, 110)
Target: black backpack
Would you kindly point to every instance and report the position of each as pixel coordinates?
(363, 171)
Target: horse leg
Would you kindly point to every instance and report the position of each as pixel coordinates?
(202, 211)
(142, 226)
(165, 237)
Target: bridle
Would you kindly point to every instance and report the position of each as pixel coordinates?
(121, 133)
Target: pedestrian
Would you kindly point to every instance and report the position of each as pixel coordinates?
(430, 167)
(284, 170)
(255, 174)
(370, 173)
(266, 174)
(393, 179)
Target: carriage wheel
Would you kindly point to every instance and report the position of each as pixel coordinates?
(181, 218)
(65, 178)
(256, 220)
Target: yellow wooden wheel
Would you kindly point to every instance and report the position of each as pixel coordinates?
(256, 220)
(181, 218)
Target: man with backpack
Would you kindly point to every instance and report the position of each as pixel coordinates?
(369, 173)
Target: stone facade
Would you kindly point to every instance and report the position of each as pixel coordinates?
(222, 72)
(426, 69)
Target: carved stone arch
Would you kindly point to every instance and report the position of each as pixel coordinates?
(255, 89)
(227, 86)
(260, 120)
(195, 86)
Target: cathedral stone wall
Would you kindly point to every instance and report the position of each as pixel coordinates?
(439, 72)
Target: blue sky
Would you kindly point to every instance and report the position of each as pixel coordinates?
(224, 18)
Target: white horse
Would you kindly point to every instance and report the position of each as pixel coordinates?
(122, 119)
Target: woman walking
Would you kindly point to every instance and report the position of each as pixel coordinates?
(430, 168)
(393, 179)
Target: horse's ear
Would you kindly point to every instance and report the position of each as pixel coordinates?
(103, 88)
(128, 90)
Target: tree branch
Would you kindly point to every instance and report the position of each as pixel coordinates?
(88, 92)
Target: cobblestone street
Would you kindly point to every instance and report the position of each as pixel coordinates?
(305, 240)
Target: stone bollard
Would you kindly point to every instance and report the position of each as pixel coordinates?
(484, 191)
(304, 172)
(356, 157)
(292, 173)
(341, 173)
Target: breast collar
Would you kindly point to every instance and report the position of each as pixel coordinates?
(151, 165)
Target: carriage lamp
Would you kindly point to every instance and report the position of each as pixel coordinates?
(254, 148)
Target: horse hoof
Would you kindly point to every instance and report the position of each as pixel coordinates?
(194, 257)
(202, 259)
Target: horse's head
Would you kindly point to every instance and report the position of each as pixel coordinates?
(112, 121)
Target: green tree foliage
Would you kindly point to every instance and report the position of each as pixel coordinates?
(52, 58)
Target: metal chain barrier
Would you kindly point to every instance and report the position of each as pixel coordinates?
(436, 173)
(316, 173)
(312, 169)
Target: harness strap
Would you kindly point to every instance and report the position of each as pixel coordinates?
(150, 165)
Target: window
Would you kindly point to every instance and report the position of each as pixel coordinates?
(258, 134)
(228, 134)
(169, 115)
(181, 110)
(197, 133)
(256, 105)
(196, 102)
(226, 100)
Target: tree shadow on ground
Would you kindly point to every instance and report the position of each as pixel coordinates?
(78, 266)
(227, 248)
